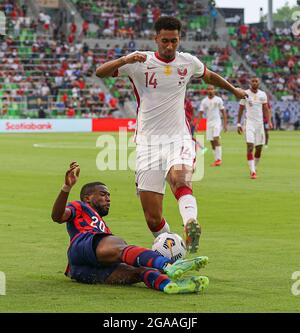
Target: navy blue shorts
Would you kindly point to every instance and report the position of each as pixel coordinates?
(83, 264)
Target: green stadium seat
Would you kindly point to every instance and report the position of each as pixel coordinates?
(233, 43)
(91, 34)
(231, 31)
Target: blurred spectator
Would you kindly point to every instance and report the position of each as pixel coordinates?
(70, 112)
(113, 104)
(85, 28)
(73, 28)
(277, 120)
(243, 31)
(41, 112)
(287, 118)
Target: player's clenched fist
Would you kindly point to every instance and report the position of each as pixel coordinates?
(239, 129)
(135, 57)
(240, 93)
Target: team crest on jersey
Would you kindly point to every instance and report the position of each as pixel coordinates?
(182, 72)
(168, 70)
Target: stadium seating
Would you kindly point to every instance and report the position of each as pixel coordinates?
(38, 73)
(42, 75)
(274, 56)
(135, 18)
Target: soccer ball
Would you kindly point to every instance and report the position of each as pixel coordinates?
(169, 245)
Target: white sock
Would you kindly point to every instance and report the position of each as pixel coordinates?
(187, 207)
(165, 228)
(256, 161)
(218, 154)
(251, 165)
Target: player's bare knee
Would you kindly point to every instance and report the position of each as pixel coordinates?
(110, 255)
(216, 142)
(110, 249)
(250, 148)
(258, 151)
(182, 183)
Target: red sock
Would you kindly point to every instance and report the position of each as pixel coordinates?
(183, 190)
(154, 279)
(159, 227)
(138, 256)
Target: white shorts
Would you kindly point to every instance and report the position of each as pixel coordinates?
(154, 162)
(255, 134)
(213, 131)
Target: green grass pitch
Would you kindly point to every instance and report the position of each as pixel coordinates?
(250, 228)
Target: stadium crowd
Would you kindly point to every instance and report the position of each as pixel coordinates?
(134, 18)
(274, 56)
(46, 73)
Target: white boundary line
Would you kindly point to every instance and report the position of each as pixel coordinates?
(71, 146)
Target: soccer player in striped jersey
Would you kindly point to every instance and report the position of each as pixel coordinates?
(164, 146)
(256, 105)
(95, 255)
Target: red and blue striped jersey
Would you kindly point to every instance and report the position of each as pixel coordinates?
(85, 219)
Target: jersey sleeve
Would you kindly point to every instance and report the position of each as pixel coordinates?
(75, 208)
(199, 67)
(221, 104)
(128, 69)
(201, 109)
(264, 98)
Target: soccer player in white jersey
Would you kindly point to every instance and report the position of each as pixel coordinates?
(164, 146)
(256, 105)
(212, 105)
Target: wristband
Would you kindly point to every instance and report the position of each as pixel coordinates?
(66, 188)
(239, 125)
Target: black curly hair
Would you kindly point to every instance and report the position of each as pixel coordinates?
(89, 189)
(167, 23)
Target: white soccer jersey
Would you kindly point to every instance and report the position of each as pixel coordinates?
(253, 105)
(212, 108)
(160, 89)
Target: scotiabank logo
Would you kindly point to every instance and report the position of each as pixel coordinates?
(113, 124)
(27, 126)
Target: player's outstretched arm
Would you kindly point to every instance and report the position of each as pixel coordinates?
(268, 115)
(215, 79)
(109, 68)
(224, 119)
(60, 213)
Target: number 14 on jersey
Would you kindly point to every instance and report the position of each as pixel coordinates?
(150, 79)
